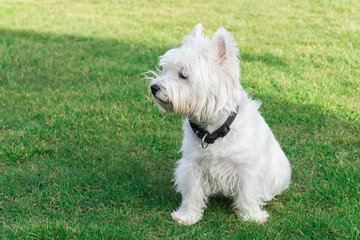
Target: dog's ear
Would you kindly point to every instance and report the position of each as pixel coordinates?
(195, 36)
(224, 46)
(197, 31)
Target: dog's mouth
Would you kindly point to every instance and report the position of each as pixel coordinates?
(160, 100)
(165, 105)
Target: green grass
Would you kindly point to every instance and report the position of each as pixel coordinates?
(85, 153)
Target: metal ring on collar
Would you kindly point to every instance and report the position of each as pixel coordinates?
(203, 141)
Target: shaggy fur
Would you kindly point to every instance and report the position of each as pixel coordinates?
(200, 81)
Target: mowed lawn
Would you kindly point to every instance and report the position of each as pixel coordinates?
(85, 153)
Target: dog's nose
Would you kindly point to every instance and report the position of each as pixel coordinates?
(154, 88)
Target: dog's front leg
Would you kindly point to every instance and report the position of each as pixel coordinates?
(191, 182)
(247, 201)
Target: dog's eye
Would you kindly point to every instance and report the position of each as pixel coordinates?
(183, 75)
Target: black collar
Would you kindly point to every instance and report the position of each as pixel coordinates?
(210, 138)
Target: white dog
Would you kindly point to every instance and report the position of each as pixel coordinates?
(227, 147)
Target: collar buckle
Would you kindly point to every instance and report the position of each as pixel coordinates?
(223, 131)
(210, 138)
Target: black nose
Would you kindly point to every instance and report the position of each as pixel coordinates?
(154, 88)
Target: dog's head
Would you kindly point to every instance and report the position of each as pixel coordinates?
(198, 79)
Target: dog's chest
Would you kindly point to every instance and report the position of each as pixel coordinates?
(222, 173)
(218, 163)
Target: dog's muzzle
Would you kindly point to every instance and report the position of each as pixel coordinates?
(154, 89)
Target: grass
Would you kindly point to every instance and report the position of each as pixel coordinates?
(85, 154)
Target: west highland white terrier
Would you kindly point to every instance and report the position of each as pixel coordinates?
(227, 148)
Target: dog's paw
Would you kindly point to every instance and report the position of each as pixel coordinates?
(260, 216)
(186, 217)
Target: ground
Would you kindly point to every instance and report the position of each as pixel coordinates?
(85, 153)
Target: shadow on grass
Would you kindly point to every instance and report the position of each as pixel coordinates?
(112, 148)
(53, 60)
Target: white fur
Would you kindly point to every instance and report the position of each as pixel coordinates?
(248, 164)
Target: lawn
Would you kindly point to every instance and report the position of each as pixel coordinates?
(86, 154)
